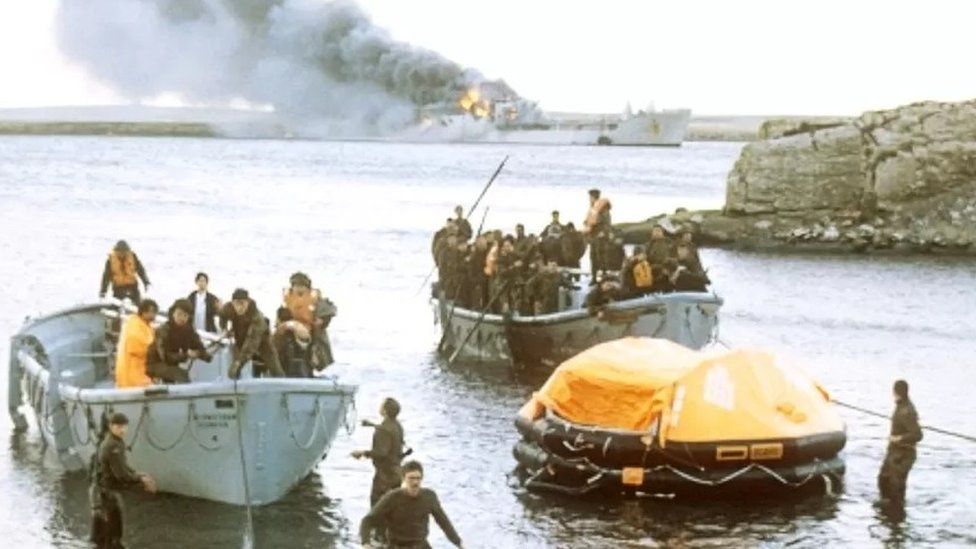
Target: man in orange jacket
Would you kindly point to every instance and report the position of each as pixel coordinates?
(121, 270)
(134, 342)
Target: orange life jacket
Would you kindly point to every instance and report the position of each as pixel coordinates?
(132, 353)
(123, 269)
(642, 275)
(593, 215)
(302, 308)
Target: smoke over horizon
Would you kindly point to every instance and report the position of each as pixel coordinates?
(321, 63)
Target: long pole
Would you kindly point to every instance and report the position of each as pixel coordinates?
(498, 170)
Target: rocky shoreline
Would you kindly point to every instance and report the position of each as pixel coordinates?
(895, 181)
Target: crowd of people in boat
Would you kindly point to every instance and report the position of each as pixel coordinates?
(295, 346)
(522, 273)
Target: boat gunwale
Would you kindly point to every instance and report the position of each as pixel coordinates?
(651, 302)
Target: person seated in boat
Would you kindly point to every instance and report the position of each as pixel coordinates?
(459, 275)
(572, 247)
(176, 343)
(659, 247)
(464, 228)
(133, 350)
(252, 338)
(662, 276)
(315, 311)
(636, 276)
(607, 290)
(121, 271)
(688, 275)
(292, 341)
(204, 305)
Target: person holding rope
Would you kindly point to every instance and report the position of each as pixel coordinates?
(900, 456)
(111, 474)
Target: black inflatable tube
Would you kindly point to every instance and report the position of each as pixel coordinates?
(619, 448)
(550, 472)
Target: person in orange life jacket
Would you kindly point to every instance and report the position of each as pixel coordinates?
(292, 341)
(204, 306)
(121, 269)
(252, 336)
(636, 274)
(135, 340)
(315, 311)
(176, 343)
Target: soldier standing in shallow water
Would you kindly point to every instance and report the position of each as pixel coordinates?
(386, 452)
(110, 474)
(406, 513)
(898, 461)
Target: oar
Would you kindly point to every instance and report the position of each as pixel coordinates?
(471, 209)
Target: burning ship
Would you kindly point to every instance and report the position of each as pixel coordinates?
(491, 112)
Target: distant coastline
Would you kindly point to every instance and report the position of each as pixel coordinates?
(230, 123)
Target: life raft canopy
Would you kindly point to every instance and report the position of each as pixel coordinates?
(647, 385)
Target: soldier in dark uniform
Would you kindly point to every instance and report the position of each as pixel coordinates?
(175, 342)
(110, 475)
(464, 228)
(614, 254)
(905, 434)
(476, 279)
(406, 513)
(386, 452)
(572, 245)
(252, 335)
(659, 247)
(543, 290)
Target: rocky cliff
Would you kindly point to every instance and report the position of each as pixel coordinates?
(902, 179)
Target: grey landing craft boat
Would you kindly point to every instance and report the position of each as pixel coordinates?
(688, 318)
(213, 438)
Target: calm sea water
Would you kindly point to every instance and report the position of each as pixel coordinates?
(358, 218)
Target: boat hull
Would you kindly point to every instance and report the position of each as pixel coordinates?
(688, 318)
(233, 441)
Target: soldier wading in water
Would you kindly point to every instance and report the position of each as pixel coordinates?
(111, 473)
(406, 513)
(898, 461)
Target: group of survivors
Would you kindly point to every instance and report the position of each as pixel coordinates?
(295, 346)
(522, 274)
(298, 344)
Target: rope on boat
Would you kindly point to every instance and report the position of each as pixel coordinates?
(955, 434)
(192, 409)
(316, 415)
(164, 447)
(249, 531)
